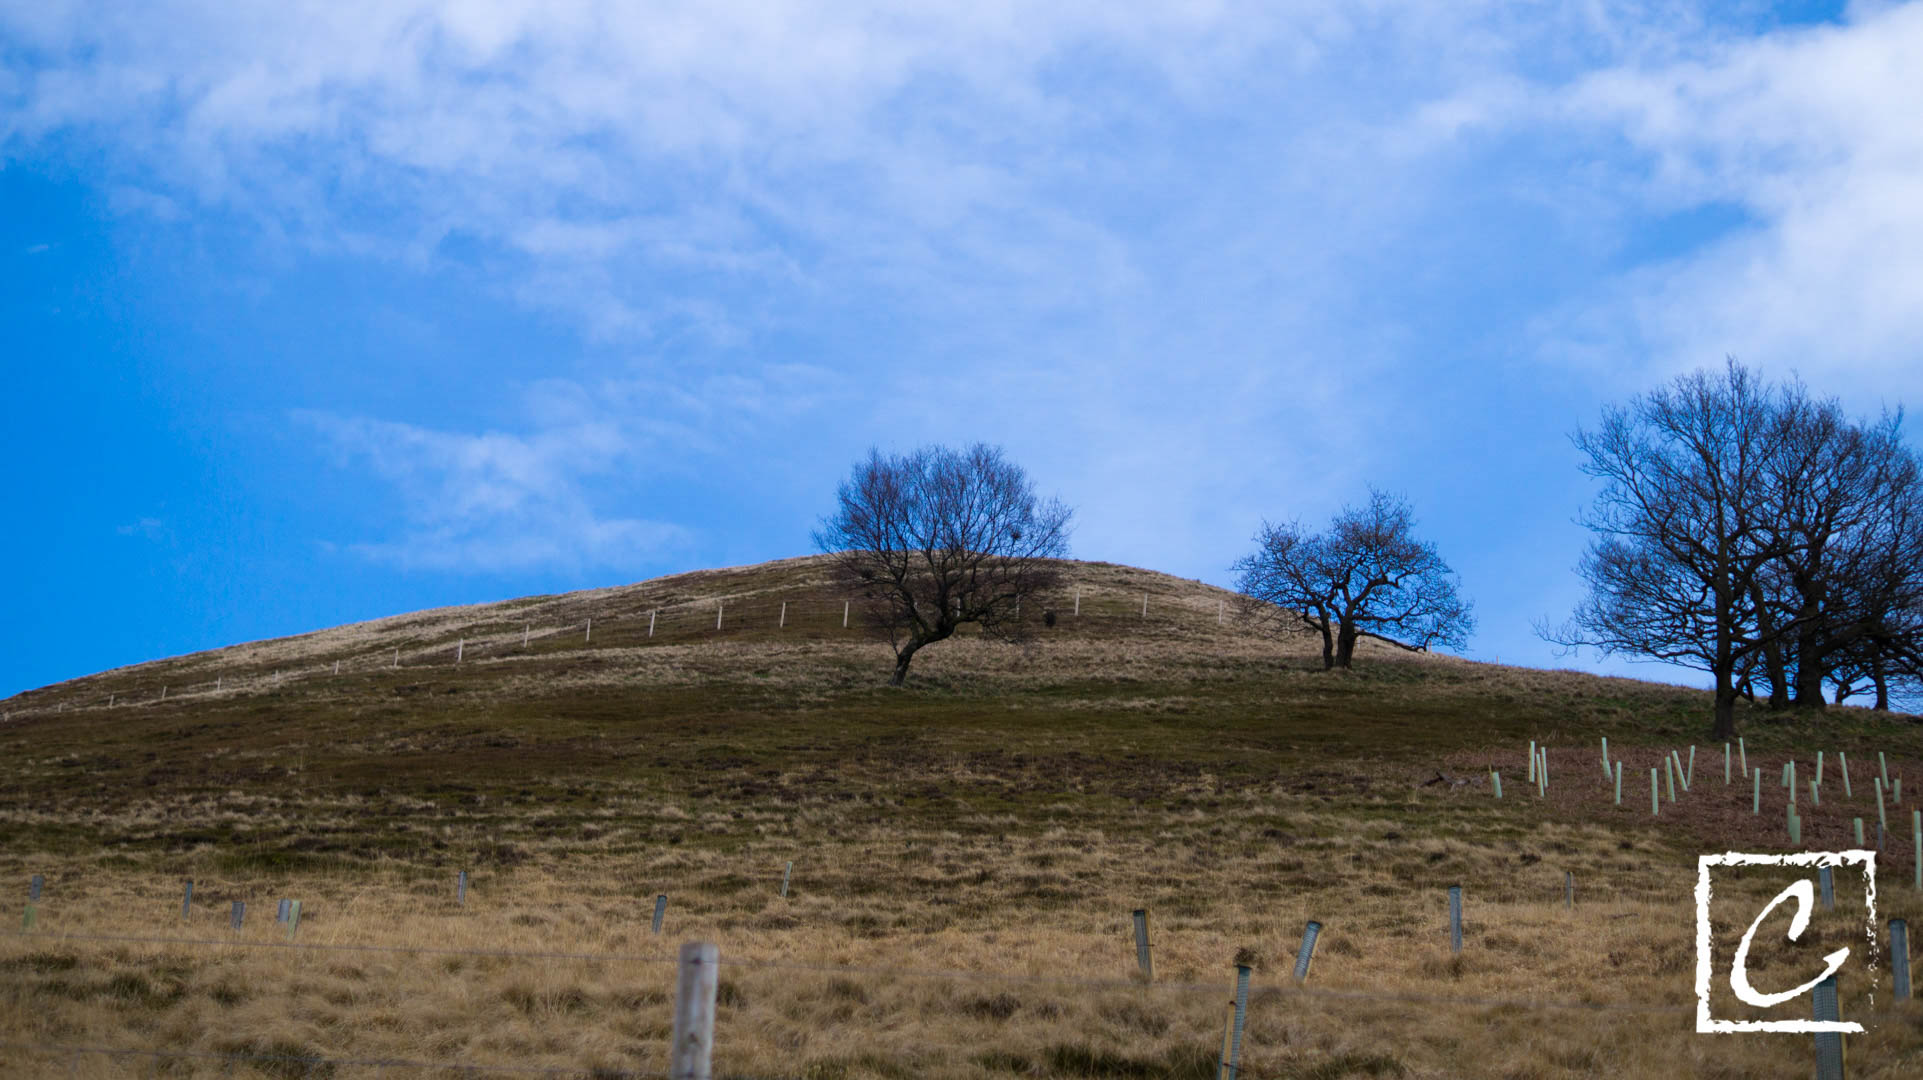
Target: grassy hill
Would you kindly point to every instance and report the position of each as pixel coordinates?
(694, 734)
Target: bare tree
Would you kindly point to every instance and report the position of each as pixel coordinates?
(1685, 529)
(937, 539)
(1367, 576)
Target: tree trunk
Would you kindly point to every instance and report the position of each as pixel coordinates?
(902, 656)
(1725, 726)
(1809, 665)
(1773, 663)
(1328, 646)
(1345, 647)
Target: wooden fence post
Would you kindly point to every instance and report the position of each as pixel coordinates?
(691, 1056)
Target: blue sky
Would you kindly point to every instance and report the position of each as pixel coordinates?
(317, 312)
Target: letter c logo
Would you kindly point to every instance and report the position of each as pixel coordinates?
(1804, 892)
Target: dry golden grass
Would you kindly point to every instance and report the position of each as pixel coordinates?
(966, 853)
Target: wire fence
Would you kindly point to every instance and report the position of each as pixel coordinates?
(627, 624)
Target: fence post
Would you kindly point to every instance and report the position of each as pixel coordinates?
(1829, 1044)
(692, 1054)
(660, 909)
(280, 915)
(1143, 961)
(1568, 889)
(187, 900)
(460, 888)
(1305, 955)
(1455, 918)
(1827, 881)
(1231, 1063)
(785, 875)
(33, 888)
(1900, 957)
(238, 915)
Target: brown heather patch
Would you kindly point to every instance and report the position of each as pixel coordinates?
(1001, 817)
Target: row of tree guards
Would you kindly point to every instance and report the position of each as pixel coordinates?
(632, 627)
(1676, 770)
(698, 964)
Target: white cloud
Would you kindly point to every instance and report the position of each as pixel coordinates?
(557, 495)
(1810, 139)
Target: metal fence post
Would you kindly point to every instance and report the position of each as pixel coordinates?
(1143, 961)
(1305, 955)
(1829, 1044)
(33, 888)
(691, 1056)
(785, 875)
(281, 915)
(660, 909)
(460, 888)
(1455, 918)
(238, 915)
(1900, 957)
(1230, 1066)
(187, 900)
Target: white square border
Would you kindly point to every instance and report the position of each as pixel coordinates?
(1707, 1024)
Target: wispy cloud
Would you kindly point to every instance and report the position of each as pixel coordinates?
(1802, 145)
(562, 493)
